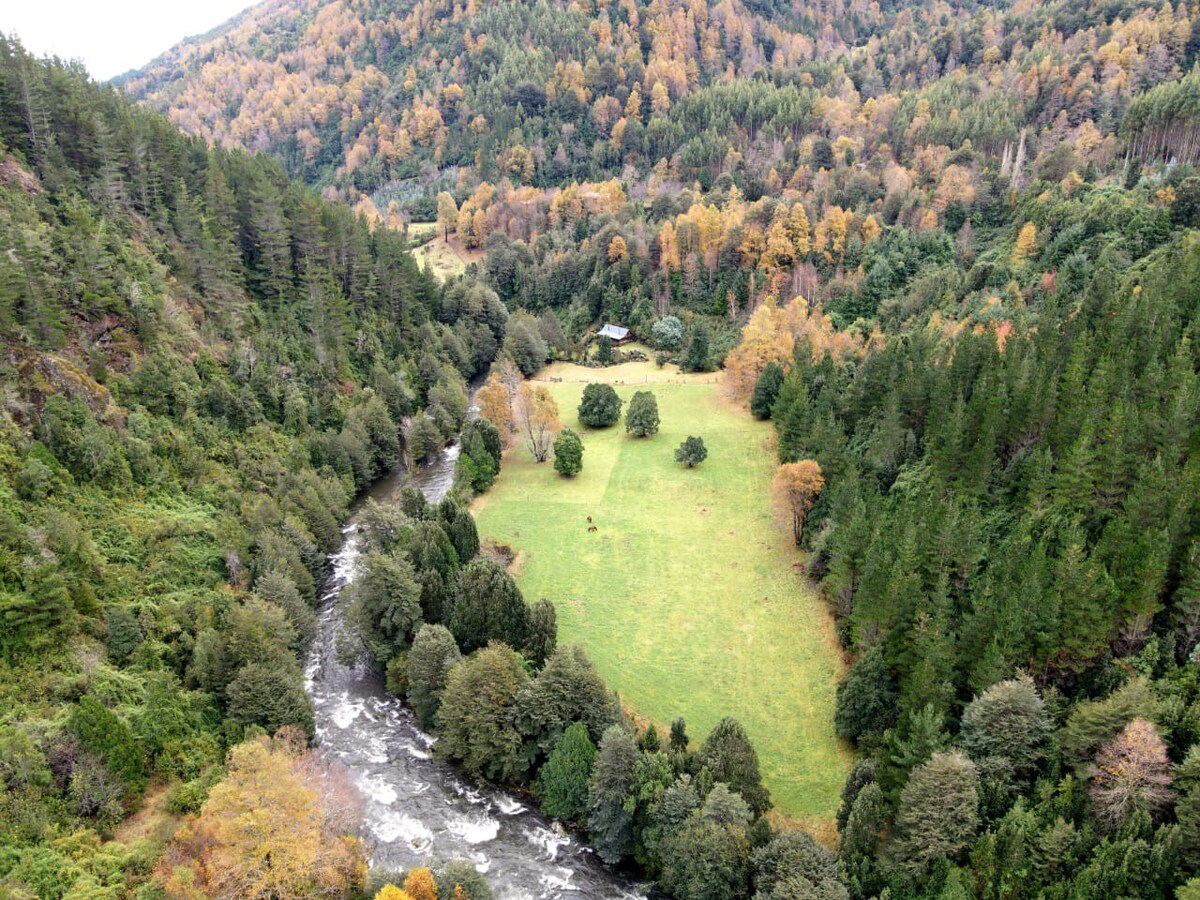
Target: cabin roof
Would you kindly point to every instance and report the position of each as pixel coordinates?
(616, 332)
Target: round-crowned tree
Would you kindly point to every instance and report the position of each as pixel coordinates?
(568, 453)
(667, 333)
(641, 420)
(491, 608)
(691, 452)
(600, 406)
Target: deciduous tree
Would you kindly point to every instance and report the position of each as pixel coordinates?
(536, 416)
(795, 488)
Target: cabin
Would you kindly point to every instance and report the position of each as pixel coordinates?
(616, 334)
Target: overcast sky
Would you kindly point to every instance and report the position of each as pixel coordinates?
(111, 36)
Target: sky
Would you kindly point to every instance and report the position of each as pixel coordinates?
(111, 36)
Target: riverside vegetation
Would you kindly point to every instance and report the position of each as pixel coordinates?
(947, 249)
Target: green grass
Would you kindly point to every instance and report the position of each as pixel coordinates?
(687, 596)
(446, 260)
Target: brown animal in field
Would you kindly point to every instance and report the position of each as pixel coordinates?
(593, 528)
(589, 520)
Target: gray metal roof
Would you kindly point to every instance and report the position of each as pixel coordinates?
(616, 332)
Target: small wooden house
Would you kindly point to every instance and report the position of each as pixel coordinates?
(616, 334)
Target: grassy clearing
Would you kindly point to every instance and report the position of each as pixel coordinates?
(448, 258)
(687, 596)
(422, 231)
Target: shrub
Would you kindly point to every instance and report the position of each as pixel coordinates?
(667, 333)
(691, 452)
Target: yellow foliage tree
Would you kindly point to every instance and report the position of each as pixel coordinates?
(780, 252)
(448, 214)
(766, 338)
(536, 415)
(798, 231)
(1026, 244)
(279, 825)
(419, 885)
(795, 488)
(617, 250)
(391, 892)
(495, 404)
(870, 230)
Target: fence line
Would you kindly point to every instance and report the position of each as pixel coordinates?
(646, 380)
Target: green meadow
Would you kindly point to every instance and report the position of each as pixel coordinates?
(687, 595)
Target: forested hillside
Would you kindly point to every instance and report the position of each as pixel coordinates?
(949, 249)
(201, 364)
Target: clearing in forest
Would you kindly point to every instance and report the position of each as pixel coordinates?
(687, 595)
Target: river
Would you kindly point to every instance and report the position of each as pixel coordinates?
(418, 810)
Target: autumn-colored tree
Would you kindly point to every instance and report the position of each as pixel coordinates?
(765, 339)
(496, 404)
(1026, 244)
(1132, 772)
(798, 231)
(536, 416)
(391, 892)
(280, 825)
(617, 249)
(447, 213)
(780, 252)
(870, 230)
(420, 885)
(796, 487)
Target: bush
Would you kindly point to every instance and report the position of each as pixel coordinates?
(600, 406)
(568, 453)
(691, 452)
(667, 333)
(642, 418)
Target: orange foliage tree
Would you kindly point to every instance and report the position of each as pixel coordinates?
(1132, 772)
(536, 415)
(796, 487)
(280, 825)
(495, 404)
(419, 885)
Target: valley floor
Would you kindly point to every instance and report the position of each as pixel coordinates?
(687, 596)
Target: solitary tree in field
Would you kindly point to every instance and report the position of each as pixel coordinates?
(447, 213)
(600, 406)
(692, 452)
(536, 416)
(568, 454)
(642, 420)
(796, 487)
